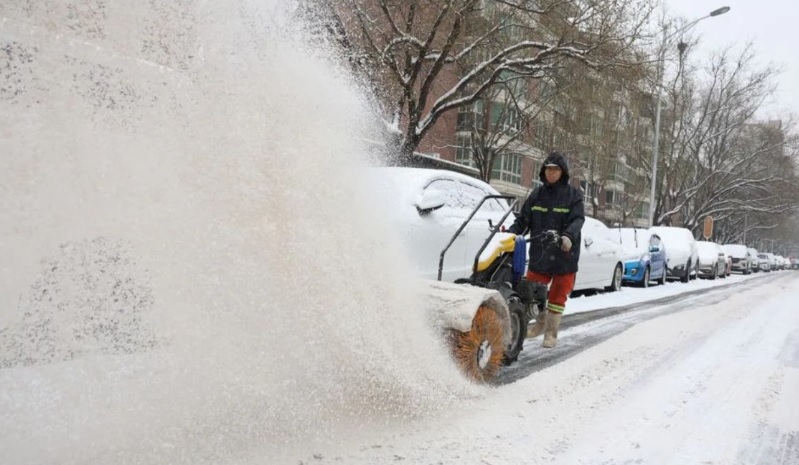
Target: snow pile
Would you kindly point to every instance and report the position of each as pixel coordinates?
(193, 158)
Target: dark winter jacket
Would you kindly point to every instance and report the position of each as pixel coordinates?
(556, 207)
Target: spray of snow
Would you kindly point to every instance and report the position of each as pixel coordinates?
(191, 272)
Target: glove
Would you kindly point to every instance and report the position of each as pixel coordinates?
(565, 243)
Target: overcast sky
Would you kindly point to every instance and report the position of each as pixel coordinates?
(772, 26)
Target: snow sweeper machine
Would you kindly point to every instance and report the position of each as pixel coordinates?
(484, 317)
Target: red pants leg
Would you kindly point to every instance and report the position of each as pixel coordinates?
(562, 286)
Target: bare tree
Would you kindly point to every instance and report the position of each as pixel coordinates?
(424, 52)
(719, 160)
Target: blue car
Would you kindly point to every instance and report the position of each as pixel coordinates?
(644, 256)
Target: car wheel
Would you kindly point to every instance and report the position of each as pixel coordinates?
(645, 282)
(615, 285)
(662, 280)
(715, 272)
(687, 276)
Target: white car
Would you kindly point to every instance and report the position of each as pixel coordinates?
(742, 258)
(712, 261)
(763, 262)
(773, 263)
(753, 258)
(427, 206)
(601, 264)
(682, 253)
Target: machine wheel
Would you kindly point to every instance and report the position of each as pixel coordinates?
(480, 351)
(518, 328)
(645, 282)
(618, 273)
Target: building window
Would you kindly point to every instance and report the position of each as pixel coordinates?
(463, 151)
(621, 172)
(642, 212)
(508, 167)
(588, 192)
(541, 135)
(610, 198)
(470, 117)
(505, 118)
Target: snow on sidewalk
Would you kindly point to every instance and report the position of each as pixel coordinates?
(634, 295)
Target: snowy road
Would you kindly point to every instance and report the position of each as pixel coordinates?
(713, 384)
(592, 324)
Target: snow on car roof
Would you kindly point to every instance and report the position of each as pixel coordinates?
(736, 250)
(671, 232)
(632, 239)
(407, 181)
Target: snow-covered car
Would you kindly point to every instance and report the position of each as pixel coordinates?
(772, 262)
(601, 263)
(728, 259)
(763, 262)
(712, 260)
(753, 259)
(644, 256)
(742, 260)
(682, 256)
(427, 206)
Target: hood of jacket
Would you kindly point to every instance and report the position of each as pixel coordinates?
(558, 159)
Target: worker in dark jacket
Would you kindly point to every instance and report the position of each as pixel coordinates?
(556, 206)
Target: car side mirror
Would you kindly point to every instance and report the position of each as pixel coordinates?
(654, 249)
(429, 202)
(588, 241)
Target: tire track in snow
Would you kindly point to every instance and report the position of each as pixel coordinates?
(688, 403)
(584, 330)
(775, 435)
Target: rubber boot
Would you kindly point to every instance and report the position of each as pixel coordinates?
(551, 332)
(536, 329)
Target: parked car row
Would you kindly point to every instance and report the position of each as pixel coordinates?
(426, 207)
(772, 262)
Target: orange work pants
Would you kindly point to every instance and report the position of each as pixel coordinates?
(559, 290)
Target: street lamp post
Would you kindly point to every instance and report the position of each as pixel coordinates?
(656, 143)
